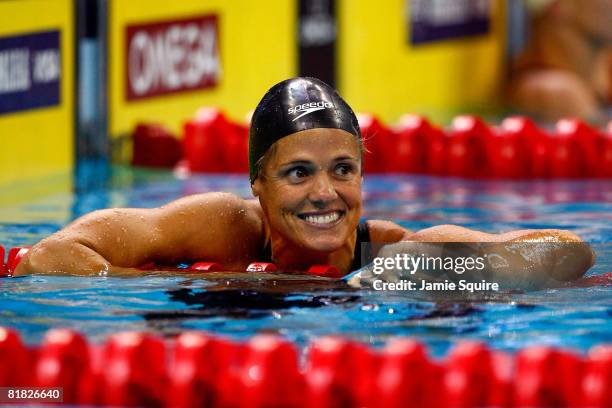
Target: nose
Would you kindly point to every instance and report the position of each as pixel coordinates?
(323, 190)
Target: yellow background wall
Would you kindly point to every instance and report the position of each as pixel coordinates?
(381, 72)
(257, 49)
(378, 70)
(39, 142)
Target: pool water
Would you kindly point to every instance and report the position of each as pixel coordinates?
(301, 309)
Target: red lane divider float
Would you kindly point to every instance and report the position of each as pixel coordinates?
(605, 166)
(522, 151)
(206, 266)
(134, 371)
(401, 358)
(596, 383)
(377, 141)
(14, 257)
(329, 271)
(516, 149)
(2, 265)
(261, 267)
(465, 147)
(63, 360)
(155, 146)
(214, 144)
(197, 369)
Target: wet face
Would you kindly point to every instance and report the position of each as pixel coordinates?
(310, 188)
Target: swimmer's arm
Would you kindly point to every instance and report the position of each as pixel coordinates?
(383, 231)
(101, 241)
(574, 255)
(207, 226)
(530, 259)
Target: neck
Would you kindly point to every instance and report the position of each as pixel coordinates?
(290, 257)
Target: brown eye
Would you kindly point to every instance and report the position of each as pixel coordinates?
(344, 169)
(297, 174)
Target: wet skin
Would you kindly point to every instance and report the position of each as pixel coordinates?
(307, 209)
(310, 194)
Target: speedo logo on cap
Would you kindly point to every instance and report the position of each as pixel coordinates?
(307, 108)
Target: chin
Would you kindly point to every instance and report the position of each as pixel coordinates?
(324, 244)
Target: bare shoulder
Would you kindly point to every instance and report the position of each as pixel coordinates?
(214, 224)
(386, 231)
(217, 209)
(224, 207)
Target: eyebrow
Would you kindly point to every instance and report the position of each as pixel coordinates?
(299, 162)
(340, 158)
(305, 162)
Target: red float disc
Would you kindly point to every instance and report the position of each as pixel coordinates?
(3, 270)
(377, 140)
(15, 369)
(133, 370)
(410, 144)
(534, 142)
(206, 267)
(400, 360)
(63, 361)
(202, 141)
(506, 155)
(269, 375)
(575, 150)
(465, 149)
(328, 271)
(261, 267)
(15, 256)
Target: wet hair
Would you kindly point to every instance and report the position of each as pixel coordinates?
(291, 106)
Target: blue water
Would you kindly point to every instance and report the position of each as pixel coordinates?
(300, 310)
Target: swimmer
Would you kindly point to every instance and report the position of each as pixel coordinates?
(305, 161)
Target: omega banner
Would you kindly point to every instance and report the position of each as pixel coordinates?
(172, 56)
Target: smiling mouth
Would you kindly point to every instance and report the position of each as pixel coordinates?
(322, 219)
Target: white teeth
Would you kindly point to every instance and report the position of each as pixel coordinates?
(323, 219)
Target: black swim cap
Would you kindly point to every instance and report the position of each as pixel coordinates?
(292, 106)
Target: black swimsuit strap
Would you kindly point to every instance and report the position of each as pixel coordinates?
(362, 247)
(360, 257)
(266, 254)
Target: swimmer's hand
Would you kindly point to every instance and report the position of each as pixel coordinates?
(518, 260)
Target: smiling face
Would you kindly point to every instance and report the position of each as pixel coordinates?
(310, 188)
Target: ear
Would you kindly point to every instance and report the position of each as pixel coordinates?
(256, 187)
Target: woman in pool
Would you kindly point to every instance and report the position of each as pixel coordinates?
(305, 154)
